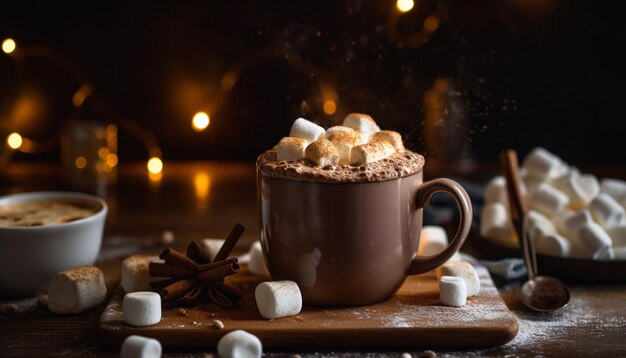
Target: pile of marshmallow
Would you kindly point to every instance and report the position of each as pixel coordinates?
(458, 280)
(359, 141)
(571, 214)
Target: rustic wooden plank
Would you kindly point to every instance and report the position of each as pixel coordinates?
(413, 318)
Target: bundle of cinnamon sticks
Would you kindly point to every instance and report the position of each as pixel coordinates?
(194, 276)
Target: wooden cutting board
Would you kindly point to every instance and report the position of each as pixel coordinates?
(413, 318)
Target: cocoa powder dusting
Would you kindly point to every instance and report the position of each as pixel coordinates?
(398, 165)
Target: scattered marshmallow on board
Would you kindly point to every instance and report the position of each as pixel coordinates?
(135, 275)
(212, 246)
(239, 344)
(276, 299)
(452, 291)
(76, 290)
(464, 270)
(140, 347)
(142, 308)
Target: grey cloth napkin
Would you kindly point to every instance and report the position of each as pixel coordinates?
(508, 269)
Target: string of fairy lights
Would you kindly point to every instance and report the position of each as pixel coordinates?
(17, 142)
(201, 120)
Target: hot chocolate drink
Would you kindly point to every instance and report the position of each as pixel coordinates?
(396, 166)
(40, 213)
(341, 214)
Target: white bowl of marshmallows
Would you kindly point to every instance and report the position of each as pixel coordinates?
(570, 214)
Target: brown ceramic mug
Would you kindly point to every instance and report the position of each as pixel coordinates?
(351, 244)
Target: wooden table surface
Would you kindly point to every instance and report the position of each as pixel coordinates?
(196, 200)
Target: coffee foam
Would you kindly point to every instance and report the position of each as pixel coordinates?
(396, 166)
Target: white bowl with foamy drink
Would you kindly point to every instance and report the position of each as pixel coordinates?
(42, 233)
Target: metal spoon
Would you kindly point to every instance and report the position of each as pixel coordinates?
(541, 293)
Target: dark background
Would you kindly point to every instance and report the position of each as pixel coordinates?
(524, 73)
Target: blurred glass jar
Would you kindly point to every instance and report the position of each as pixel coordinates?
(89, 155)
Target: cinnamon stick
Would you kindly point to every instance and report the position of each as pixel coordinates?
(230, 242)
(158, 286)
(219, 272)
(174, 257)
(206, 267)
(169, 270)
(177, 289)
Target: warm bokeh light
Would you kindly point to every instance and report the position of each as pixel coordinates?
(330, 107)
(81, 162)
(103, 152)
(111, 160)
(405, 5)
(431, 24)
(81, 94)
(8, 46)
(200, 121)
(14, 140)
(202, 183)
(155, 179)
(155, 165)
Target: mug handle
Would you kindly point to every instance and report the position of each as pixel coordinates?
(422, 264)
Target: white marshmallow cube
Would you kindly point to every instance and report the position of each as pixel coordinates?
(594, 239)
(343, 142)
(322, 152)
(363, 124)
(369, 153)
(135, 273)
(495, 191)
(559, 219)
(495, 224)
(212, 246)
(76, 290)
(618, 253)
(553, 245)
(605, 255)
(392, 137)
(576, 221)
(452, 291)
(140, 347)
(433, 240)
(307, 130)
(580, 189)
(464, 270)
(614, 187)
(276, 299)
(256, 265)
(290, 148)
(239, 344)
(606, 211)
(142, 308)
(543, 165)
(538, 225)
(618, 235)
(547, 199)
(341, 129)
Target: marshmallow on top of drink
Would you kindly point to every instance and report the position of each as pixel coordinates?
(571, 214)
(357, 150)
